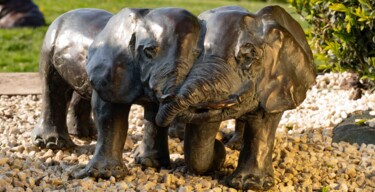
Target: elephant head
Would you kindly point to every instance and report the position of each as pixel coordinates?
(143, 52)
(249, 61)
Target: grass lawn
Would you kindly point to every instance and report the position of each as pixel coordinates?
(19, 48)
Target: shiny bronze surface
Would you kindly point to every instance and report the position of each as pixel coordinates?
(252, 68)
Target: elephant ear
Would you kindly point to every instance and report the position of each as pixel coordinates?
(120, 30)
(288, 66)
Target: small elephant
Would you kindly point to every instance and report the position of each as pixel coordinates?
(141, 57)
(253, 68)
(64, 78)
(20, 13)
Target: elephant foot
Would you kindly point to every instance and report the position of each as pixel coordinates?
(234, 141)
(81, 129)
(101, 169)
(45, 138)
(150, 157)
(220, 155)
(250, 181)
(205, 166)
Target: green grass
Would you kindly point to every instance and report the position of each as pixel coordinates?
(19, 48)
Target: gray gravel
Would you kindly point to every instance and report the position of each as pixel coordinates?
(304, 158)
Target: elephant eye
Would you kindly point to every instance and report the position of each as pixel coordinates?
(248, 45)
(248, 50)
(150, 52)
(247, 56)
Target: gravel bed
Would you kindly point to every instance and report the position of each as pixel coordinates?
(304, 158)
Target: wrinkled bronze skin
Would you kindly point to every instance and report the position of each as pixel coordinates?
(140, 57)
(20, 13)
(64, 79)
(252, 68)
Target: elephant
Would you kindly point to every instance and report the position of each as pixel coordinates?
(64, 78)
(252, 68)
(20, 13)
(140, 57)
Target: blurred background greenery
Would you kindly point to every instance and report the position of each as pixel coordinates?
(19, 50)
(341, 34)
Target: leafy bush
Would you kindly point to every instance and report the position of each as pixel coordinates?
(267, 1)
(341, 33)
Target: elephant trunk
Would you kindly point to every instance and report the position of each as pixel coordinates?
(167, 112)
(206, 84)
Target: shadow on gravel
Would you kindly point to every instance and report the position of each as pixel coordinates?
(355, 132)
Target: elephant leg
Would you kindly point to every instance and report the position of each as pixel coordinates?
(176, 130)
(52, 131)
(111, 119)
(203, 153)
(255, 169)
(79, 119)
(153, 150)
(235, 140)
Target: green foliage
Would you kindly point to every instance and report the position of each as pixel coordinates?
(325, 189)
(268, 1)
(19, 50)
(342, 34)
(360, 121)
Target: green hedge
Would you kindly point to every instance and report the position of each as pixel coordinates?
(341, 33)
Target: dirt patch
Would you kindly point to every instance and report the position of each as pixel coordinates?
(20, 84)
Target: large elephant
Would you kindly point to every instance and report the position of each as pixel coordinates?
(253, 67)
(62, 69)
(141, 57)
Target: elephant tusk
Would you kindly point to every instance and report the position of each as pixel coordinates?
(245, 93)
(218, 105)
(166, 98)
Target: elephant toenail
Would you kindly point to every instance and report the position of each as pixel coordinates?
(236, 183)
(39, 142)
(52, 146)
(254, 179)
(105, 174)
(119, 176)
(268, 184)
(93, 172)
(147, 162)
(51, 140)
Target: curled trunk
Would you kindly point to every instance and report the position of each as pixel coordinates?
(211, 92)
(205, 82)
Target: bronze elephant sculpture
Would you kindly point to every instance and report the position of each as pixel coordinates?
(140, 57)
(20, 13)
(252, 68)
(64, 78)
(63, 65)
(230, 64)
